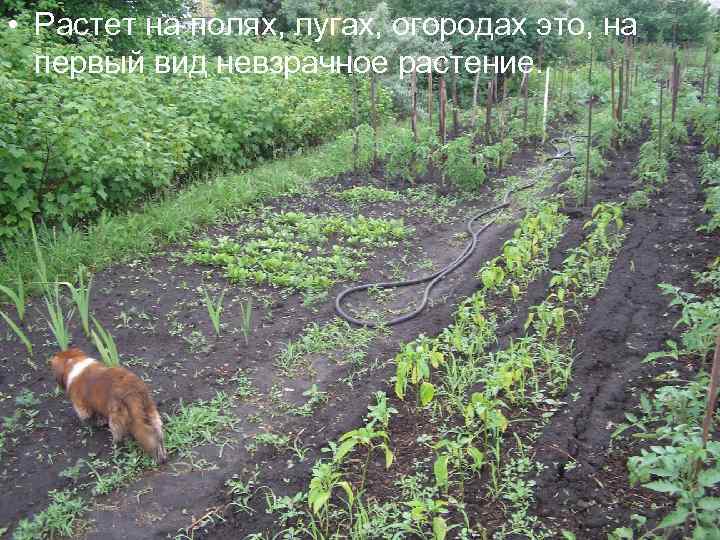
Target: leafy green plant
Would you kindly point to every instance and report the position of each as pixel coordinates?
(105, 345)
(462, 163)
(369, 437)
(80, 295)
(279, 254)
(17, 296)
(18, 332)
(56, 319)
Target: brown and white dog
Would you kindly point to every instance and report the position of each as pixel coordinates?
(113, 395)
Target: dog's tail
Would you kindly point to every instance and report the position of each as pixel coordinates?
(147, 428)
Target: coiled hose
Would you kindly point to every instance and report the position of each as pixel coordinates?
(433, 279)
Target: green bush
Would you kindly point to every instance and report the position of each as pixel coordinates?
(463, 163)
(72, 148)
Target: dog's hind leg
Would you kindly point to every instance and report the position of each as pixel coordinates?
(82, 412)
(118, 429)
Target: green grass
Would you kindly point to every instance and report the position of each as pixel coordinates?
(174, 217)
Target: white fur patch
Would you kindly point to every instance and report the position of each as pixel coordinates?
(77, 369)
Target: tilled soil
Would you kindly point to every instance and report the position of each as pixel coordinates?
(584, 488)
(154, 309)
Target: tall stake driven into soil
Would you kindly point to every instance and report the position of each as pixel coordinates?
(413, 97)
(356, 123)
(712, 391)
(442, 109)
(621, 86)
(488, 111)
(373, 108)
(545, 102)
(588, 141)
(455, 104)
(476, 90)
(430, 98)
(626, 88)
(525, 85)
(660, 121)
(675, 84)
(706, 65)
(612, 84)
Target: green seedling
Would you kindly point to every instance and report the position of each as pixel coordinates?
(214, 308)
(105, 345)
(80, 295)
(246, 319)
(17, 296)
(18, 332)
(56, 319)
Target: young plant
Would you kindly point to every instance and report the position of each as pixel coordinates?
(366, 436)
(57, 321)
(246, 319)
(105, 345)
(215, 308)
(18, 332)
(80, 295)
(17, 296)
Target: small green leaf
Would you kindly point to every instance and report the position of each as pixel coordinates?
(427, 392)
(673, 519)
(439, 528)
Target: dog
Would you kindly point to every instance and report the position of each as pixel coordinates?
(114, 396)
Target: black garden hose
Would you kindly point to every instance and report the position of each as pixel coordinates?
(433, 279)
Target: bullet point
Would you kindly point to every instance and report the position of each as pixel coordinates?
(12, 25)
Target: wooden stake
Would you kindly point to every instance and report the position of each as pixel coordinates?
(413, 96)
(356, 122)
(545, 103)
(442, 109)
(660, 122)
(430, 98)
(373, 105)
(612, 84)
(675, 85)
(621, 85)
(455, 104)
(476, 89)
(589, 136)
(706, 66)
(712, 392)
(525, 85)
(488, 111)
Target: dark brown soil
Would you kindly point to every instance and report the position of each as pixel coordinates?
(628, 320)
(154, 309)
(584, 486)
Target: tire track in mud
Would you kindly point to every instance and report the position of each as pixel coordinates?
(626, 321)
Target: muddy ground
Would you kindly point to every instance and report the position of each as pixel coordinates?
(154, 309)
